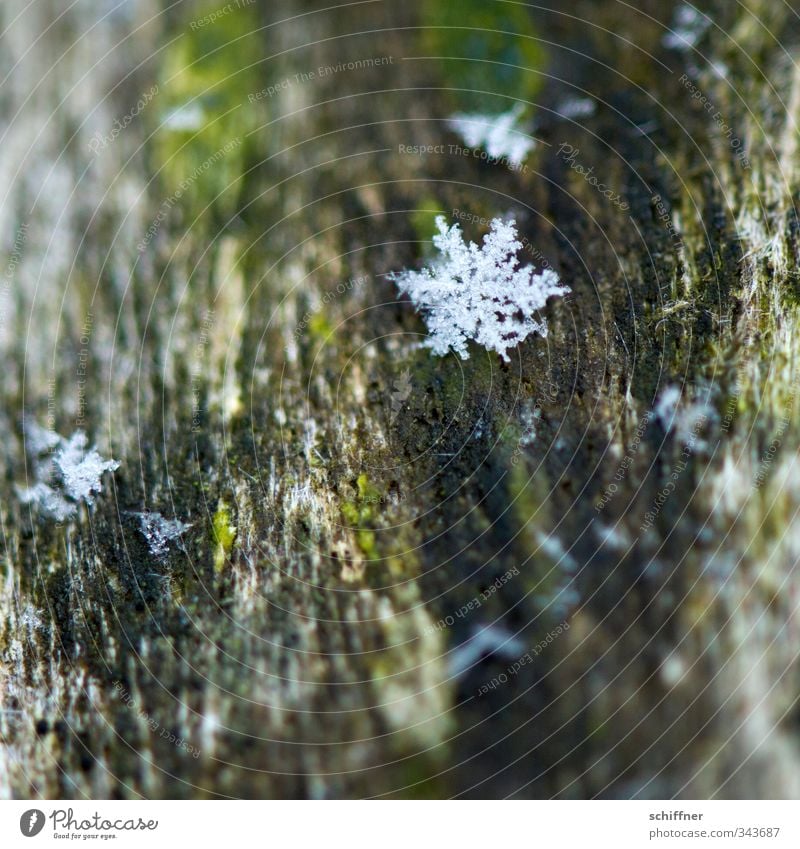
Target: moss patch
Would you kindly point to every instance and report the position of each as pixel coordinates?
(485, 51)
(224, 534)
(204, 113)
(360, 513)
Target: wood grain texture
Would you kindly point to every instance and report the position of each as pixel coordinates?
(241, 364)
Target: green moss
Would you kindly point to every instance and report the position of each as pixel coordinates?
(366, 491)
(366, 542)
(319, 328)
(529, 494)
(203, 112)
(488, 52)
(351, 513)
(423, 218)
(360, 513)
(224, 534)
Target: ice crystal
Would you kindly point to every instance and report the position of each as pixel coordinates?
(577, 107)
(82, 469)
(159, 531)
(496, 134)
(38, 440)
(66, 472)
(30, 618)
(666, 406)
(49, 501)
(479, 292)
(486, 640)
(687, 29)
(686, 421)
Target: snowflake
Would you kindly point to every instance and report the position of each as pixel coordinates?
(486, 640)
(686, 421)
(496, 134)
(50, 502)
(687, 29)
(576, 107)
(66, 472)
(479, 293)
(666, 406)
(159, 532)
(80, 469)
(30, 618)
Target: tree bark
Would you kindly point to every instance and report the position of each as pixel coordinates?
(554, 577)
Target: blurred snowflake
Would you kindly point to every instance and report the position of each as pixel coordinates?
(66, 472)
(687, 29)
(498, 135)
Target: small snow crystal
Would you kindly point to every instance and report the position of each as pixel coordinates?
(51, 503)
(577, 107)
(38, 440)
(687, 28)
(159, 532)
(496, 134)
(492, 640)
(66, 472)
(81, 470)
(666, 406)
(479, 293)
(687, 421)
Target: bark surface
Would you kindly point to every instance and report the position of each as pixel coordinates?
(377, 535)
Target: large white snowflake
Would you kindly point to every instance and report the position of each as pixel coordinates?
(479, 292)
